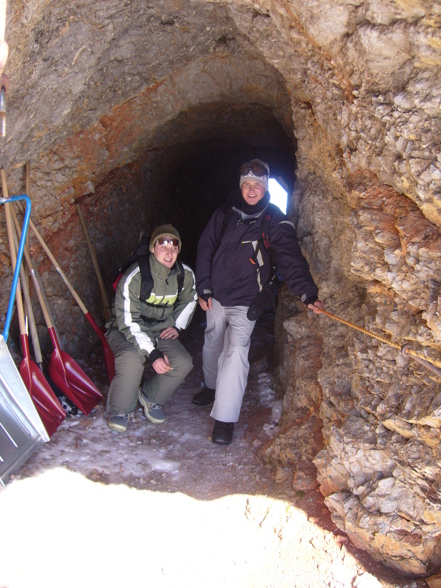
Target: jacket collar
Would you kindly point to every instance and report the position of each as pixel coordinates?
(246, 217)
(244, 210)
(160, 270)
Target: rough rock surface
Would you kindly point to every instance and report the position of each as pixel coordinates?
(227, 517)
(142, 111)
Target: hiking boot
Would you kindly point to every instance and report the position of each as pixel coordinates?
(222, 433)
(118, 422)
(204, 397)
(152, 410)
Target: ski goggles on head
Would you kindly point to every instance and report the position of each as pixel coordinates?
(257, 169)
(166, 241)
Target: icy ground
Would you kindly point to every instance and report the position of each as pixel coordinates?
(161, 506)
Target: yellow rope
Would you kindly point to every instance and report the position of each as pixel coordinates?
(382, 339)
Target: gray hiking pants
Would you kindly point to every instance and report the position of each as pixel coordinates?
(225, 358)
(129, 368)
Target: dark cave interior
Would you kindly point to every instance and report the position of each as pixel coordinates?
(188, 173)
(186, 178)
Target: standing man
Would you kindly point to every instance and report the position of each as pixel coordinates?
(231, 268)
(148, 326)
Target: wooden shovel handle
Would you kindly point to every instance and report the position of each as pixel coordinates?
(32, 266)
(56, 265)
(25, 277)
(27, 301)
(10, 219)
(10, 229)
(92, 251)
(40, 297)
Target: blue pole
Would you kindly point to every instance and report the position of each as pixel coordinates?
(19, 257)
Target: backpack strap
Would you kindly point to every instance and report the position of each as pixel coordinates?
(141, 255)
(268, 292)
(226, 215)
(265, 241)
(146, 277)
(181, 276)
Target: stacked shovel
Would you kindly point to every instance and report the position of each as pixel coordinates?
(21, 430)
(63, 371)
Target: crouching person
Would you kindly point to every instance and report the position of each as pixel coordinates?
(147, 326)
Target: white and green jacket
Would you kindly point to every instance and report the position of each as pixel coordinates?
(142, 322)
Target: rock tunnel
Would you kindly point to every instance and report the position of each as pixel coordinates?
(142, 112)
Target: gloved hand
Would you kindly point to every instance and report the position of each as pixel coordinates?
(205, 296)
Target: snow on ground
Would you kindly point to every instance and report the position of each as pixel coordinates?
(161, 506)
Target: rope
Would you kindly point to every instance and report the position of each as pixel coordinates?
(404, 349)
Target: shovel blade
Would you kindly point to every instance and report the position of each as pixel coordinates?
(108, 353)
(49, 409)
(73, 382)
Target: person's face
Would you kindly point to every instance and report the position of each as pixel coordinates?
(166, 252)
(252, 192)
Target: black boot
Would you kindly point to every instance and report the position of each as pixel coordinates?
(204, 397)
(222, 433)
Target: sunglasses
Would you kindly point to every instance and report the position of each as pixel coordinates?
(165, 241)
(256, 168)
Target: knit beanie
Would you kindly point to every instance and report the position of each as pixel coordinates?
(164, 231)
(249, 175)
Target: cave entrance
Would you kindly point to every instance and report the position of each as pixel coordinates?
(192, 170)
(279, 196)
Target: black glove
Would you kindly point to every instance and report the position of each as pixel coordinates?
(156, 354)
(205, 296)
(266, 298)
(308, 299)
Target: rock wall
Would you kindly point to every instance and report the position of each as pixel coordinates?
(137, 110)
(377, 264)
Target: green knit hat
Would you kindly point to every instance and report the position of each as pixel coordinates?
(164, 231)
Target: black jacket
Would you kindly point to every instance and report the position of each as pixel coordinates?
(226, 265)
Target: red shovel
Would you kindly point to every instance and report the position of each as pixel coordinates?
(108, 355)
(63, 370)
(70, 378)
(49, 409)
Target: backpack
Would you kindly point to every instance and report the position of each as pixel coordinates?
(141, 255)
(267, 295)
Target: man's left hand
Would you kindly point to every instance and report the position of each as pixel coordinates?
(317, 307)
(169, 333)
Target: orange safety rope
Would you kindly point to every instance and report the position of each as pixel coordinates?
(405, 348)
